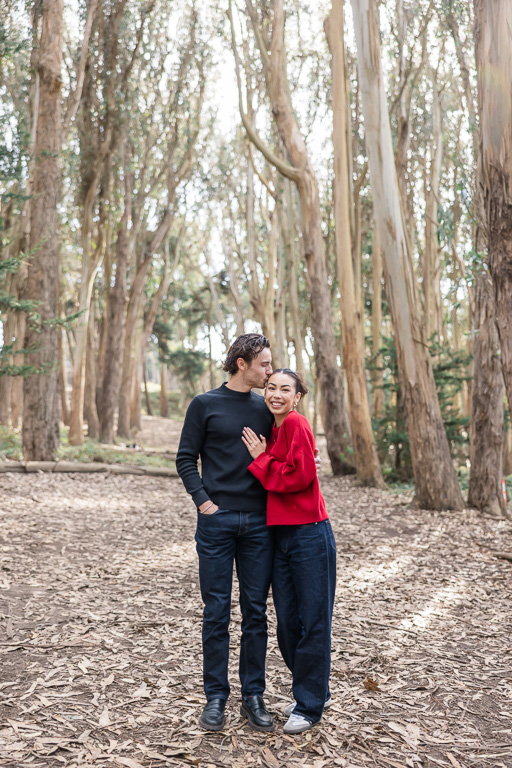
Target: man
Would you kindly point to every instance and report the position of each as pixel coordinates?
(231, 527)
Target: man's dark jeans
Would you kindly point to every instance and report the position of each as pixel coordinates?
(303, 586)
(221, 538)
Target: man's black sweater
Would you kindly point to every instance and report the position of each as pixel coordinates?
(213, 431)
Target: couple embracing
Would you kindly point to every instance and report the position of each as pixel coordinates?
(259, 506)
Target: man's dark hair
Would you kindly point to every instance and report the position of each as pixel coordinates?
(300, 385)
(248, 346)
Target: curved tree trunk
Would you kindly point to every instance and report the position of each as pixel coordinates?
(41, 390)
(301, 172)
(328, 373)
(363, 442)
(436, 482)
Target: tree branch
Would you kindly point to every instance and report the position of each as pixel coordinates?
(74, 98)
(288, 171)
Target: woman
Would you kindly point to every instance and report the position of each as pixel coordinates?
(304, 572)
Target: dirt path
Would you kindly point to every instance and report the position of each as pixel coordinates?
(100, 634)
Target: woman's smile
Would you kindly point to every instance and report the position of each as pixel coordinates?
(280, 395)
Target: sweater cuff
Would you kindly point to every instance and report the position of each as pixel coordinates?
(259, 465)
(199, 497)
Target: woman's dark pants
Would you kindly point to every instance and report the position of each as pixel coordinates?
(303, 586)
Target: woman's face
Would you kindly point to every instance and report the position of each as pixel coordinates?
(280, 394)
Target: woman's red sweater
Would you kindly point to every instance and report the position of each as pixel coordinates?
(288, 472)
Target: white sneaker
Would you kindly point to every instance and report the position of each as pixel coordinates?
(291, 706)
(297, 724)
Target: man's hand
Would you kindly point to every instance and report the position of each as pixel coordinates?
(208, 507)
(254, 444)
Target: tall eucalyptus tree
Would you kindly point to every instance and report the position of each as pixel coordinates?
(436, 482)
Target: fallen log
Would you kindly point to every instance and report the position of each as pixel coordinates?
(70, 466)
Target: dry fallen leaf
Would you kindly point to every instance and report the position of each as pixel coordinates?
(129, 762)
(371, 685)
(453, 760)
(104, 718)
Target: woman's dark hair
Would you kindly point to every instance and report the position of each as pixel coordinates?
(300, 385)
(248, 346)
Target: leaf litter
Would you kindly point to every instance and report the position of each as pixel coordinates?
(100, 626)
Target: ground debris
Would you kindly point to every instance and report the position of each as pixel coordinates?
(100, 617)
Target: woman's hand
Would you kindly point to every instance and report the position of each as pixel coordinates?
(254, 444)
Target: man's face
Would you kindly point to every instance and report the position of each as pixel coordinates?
(258, 370)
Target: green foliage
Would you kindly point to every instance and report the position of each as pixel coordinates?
(450, 371)
(176, 410)
(10, 303)
(390, 430)
(188, 365)
(10, 444)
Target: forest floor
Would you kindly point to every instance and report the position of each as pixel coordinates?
(100, 617)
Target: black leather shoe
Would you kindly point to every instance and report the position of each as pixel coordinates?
(255, 711)
(212, 717)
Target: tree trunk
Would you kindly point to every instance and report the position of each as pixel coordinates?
(287, 219)
(149, 409)
(164, 402)
(288, 229)
(115, 335)
(142, 338)
(329, 375)
(90, 411)
(136, 393)
(494, 63)
(132, 313)
(436, 482)
(6, 382)
(233, 287)
(130, 354)
(432, 267)
(486, 428)
(62, 382)
(76, 421)
(17, 384)
(507, 451)
(41, 390)
(363, 442)
(486, 422)
(254, 287)
(377, 376)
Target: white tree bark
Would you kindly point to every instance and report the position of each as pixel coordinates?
(435, 478)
